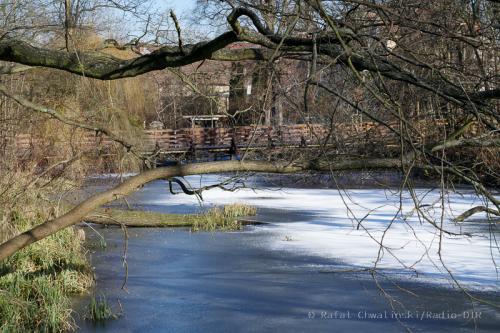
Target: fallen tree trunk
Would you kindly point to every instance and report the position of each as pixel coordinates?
(78, 213)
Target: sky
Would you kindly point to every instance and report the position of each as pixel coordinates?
(181, 7)
(192, 32)
(184, 11)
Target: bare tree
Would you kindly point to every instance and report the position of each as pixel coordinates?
(411, 69)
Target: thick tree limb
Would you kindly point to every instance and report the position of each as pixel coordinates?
(487, 94)
(478, 209)
(266, 32)
(472, 142)
(76, 214)
(336, 48)
(106, 67)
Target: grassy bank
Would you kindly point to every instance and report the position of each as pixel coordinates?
(37, 283)
(218, 218)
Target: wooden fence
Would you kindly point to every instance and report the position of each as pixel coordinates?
(182, 140)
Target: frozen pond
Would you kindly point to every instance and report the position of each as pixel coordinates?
(290, 275)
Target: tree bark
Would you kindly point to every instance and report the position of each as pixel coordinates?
(106, 67)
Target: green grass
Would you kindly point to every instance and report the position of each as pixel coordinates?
(222, 218)
(99, 310)
(37, 283)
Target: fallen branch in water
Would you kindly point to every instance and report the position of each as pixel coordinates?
(79, 212)
(238, 184)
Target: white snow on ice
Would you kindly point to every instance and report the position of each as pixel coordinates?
(411, 243)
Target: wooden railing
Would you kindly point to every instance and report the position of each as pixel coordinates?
(182, 140)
